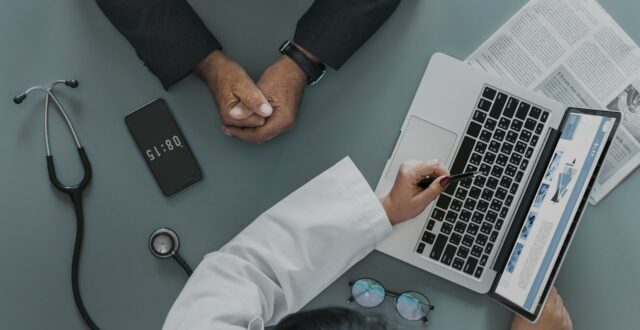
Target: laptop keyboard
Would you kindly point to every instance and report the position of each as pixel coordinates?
(468, 217)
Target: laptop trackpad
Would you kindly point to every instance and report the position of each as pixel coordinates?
(422, 140)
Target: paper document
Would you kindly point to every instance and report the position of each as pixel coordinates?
(574, 52)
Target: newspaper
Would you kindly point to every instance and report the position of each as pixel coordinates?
(574, 52)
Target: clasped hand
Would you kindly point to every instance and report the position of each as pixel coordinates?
(254, 112)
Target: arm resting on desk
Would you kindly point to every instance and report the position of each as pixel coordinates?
(332, 30)
(285, 257)
(166, 34)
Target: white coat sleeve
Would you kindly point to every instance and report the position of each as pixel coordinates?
(285, 257)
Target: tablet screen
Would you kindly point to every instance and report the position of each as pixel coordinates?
(559, 198)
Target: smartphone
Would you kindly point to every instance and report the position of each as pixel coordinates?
(164, 147)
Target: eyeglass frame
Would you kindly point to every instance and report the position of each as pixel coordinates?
(394, 295)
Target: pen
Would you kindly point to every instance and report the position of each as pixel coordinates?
(426, 182)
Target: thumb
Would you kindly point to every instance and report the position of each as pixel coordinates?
(434, 190)
(251, 97)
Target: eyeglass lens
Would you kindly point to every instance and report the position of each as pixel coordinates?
(367, 293)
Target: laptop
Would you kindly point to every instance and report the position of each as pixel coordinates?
(505, 233)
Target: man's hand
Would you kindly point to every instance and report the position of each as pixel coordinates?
(283, 84)
(554, 316)
(239, 100)
(406, 199)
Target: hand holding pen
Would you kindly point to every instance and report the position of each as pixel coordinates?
(406, 199)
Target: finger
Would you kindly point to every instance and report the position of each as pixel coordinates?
(251, 121)
(433, 191)
(249, 134)
(240, 112)
(253, 99)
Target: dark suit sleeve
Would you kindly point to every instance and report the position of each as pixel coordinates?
(333, 30)
(166, 34)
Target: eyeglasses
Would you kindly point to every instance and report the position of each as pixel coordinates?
(411, 305)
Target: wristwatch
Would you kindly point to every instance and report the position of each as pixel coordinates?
(314, 71)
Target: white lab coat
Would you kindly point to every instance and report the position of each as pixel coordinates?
(285, 257)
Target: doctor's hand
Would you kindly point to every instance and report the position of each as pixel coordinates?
(554, 316)
(239, 101)
(406, 199)
(283, 84)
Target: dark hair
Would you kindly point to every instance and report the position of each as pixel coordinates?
(333, 318)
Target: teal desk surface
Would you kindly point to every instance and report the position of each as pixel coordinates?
(356, 111)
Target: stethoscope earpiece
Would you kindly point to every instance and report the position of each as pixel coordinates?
(164, 243)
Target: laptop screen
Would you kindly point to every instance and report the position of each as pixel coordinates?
(559, 198)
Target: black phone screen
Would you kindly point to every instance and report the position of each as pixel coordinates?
(163, 147)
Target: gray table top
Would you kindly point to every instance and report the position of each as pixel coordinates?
(356, 111)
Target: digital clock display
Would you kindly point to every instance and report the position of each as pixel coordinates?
(164, 147)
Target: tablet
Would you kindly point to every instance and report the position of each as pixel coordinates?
(555, 211)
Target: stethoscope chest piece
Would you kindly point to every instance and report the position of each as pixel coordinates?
(163, 243)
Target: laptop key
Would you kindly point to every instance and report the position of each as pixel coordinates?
(510, 170)
(471, 168)
(457, 264)
(511, 107)
(420, 248)
(523, 165)
(463, 252)
(477, 218)
(480, 148)
(487, 194)
(485, 136)
(523, 110)
(488, 248)
(507, 147)
(499, 224)
(437, 214)
(451, 216)
(502, 160)
(472, 229)
(506, 182)
(481, 240)
(470, 204)
(484, 105)
(455, 239)
(529, 152)
(494, 146)
(443, 202)
(430, 224)
(498, 105)
(494, 236)
(464, 215)
(519, 176)
(464, 152)
(539, 128)
(478, 272)
(504, 212)
(460, 227)
(534, 140)
(530, 124)
(516, 125)
(482, 206)
(491, 216)
(475, 192)
(492, 183)
(508, 201)
(479, 116)
(476, 251)
(428, 237)
(461, 193)
(485, 169)
(489, 158)
(486, 228)
(489, 93)
(535, 112)
(446, 228)
(490, 124)
(467, 240)
(514, 188)
(495, 205)
(521, 147)
(456, 205)
(447, 256)
(474, 129)
(525, 136)
(504, 123)
(512, 137)
(438, 247)
(470, 266)
(499, 134)
(544, 116)
(484, 259)
(497, 171)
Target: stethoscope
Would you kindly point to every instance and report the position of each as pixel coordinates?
(164, 243)
(74, 192)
